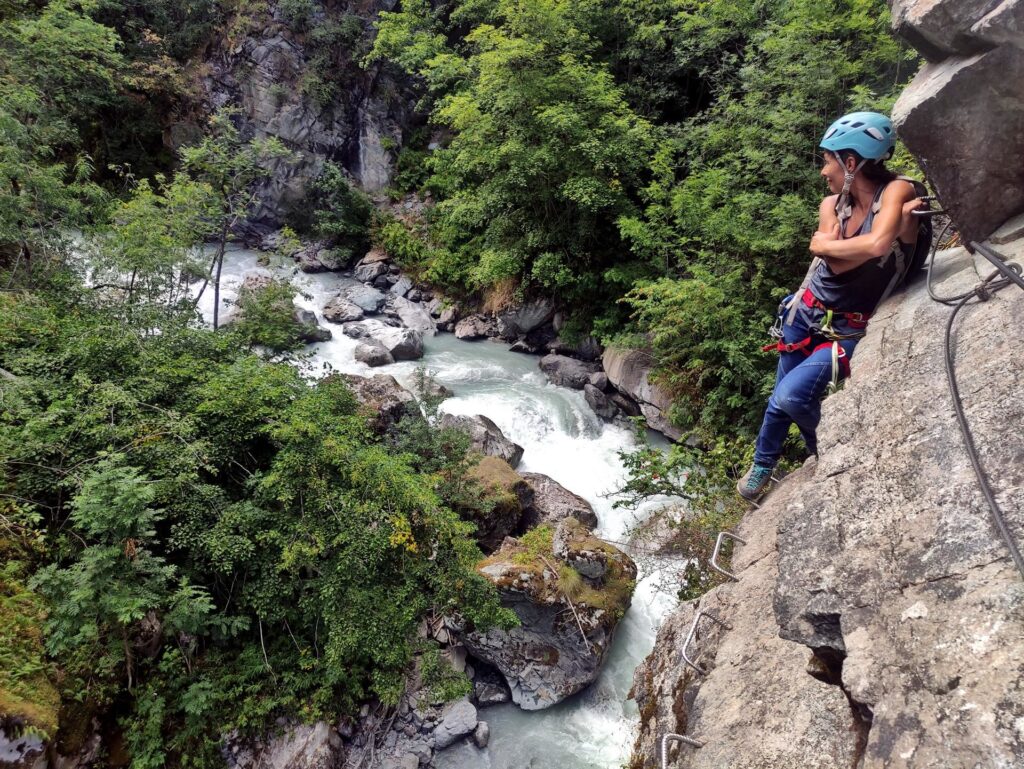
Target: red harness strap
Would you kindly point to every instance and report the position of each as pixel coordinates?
(804, 346)
(856, 319)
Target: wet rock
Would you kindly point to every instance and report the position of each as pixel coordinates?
(567, 372)
(401, 343)
(552, 503)
(488, 694)
(557, 650)
(309, 329)
(631, 371)
(373, 355)
(382, 283)
(599, 402)
(588, 348)
(625, 404)
(482, 735)
(473, 327)
(415, 295)
(367, 273)
(599, 380)
(486, 437)
(368, 299)
(459, 720)
(341, 310)
(382, 394)
(517, 321)
(505, 496)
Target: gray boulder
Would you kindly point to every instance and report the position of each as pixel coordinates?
(599, 402)
(552, 502)
(459, 720)
(373, 256)
(317, 257)
(631, 371)
(516, 321)
(401, 286)
(473, 327)
(341, 310)
(309, 329)
(373, 355)
(943, 28)
(401, 343)
(486, 437)
(413, 316)
(368, 299)
(551, 656)
(368, 272)
(487, 694)
(587, 348)
(482, 735)
(567, 372)
(948, 113)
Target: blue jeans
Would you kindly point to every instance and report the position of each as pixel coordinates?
(800, 383)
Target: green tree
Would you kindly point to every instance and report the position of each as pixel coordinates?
(233, 168)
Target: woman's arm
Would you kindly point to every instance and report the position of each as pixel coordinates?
(846, 254)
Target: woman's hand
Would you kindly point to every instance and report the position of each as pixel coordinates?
(822, 240)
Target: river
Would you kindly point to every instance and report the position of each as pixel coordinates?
(562, 438)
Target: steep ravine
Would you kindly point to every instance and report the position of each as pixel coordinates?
(877, 620)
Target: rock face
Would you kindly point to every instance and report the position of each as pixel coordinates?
(877, 618)
(552, 503)
(963, 115)
(517, 321)
(263, 74)
(558, 649)
(630, 371)
(486, 436)
(314, 746)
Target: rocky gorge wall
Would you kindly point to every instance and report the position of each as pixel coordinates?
(877, 620)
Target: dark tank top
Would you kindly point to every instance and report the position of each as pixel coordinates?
(862, 288)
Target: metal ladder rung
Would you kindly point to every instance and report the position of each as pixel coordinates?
(693, 630)
(718, 546)
(676, 738)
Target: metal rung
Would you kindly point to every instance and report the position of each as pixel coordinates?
(676, 738)
(718, 546)
(693, 631)
(929, 212)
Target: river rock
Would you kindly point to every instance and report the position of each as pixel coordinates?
(413, 316)
(300, 746)
(382, 394)
(505, 496)
(473, 327)
(401, 286)
(552, 654)
(488, 694)
(587, 348)
(552, 502)
(368, 299)
(341, 310)
(599, 402)
(517, 321)
(587, 555)
(567, 372)
(599, 379)
(482, 735)
(367, 273)
(486, 437)
(630, 371)
(375, 255)
(318, 257)
(309, 329)
(401, 343)
(459, 720)
(255, 281)
(373, 355)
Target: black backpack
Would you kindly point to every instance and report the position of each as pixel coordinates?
(925, 233)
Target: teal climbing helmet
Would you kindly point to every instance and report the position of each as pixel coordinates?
(869, 134)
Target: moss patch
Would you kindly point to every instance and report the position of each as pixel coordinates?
(27, 694)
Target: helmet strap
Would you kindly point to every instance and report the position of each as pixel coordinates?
(844, 196)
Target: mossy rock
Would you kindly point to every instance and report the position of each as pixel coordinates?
(504, 495)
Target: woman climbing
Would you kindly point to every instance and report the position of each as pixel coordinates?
(865, 234)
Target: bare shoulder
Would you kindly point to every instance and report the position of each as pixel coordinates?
(900, 191)
(828, 205)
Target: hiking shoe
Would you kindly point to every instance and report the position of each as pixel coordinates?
(753, 484)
